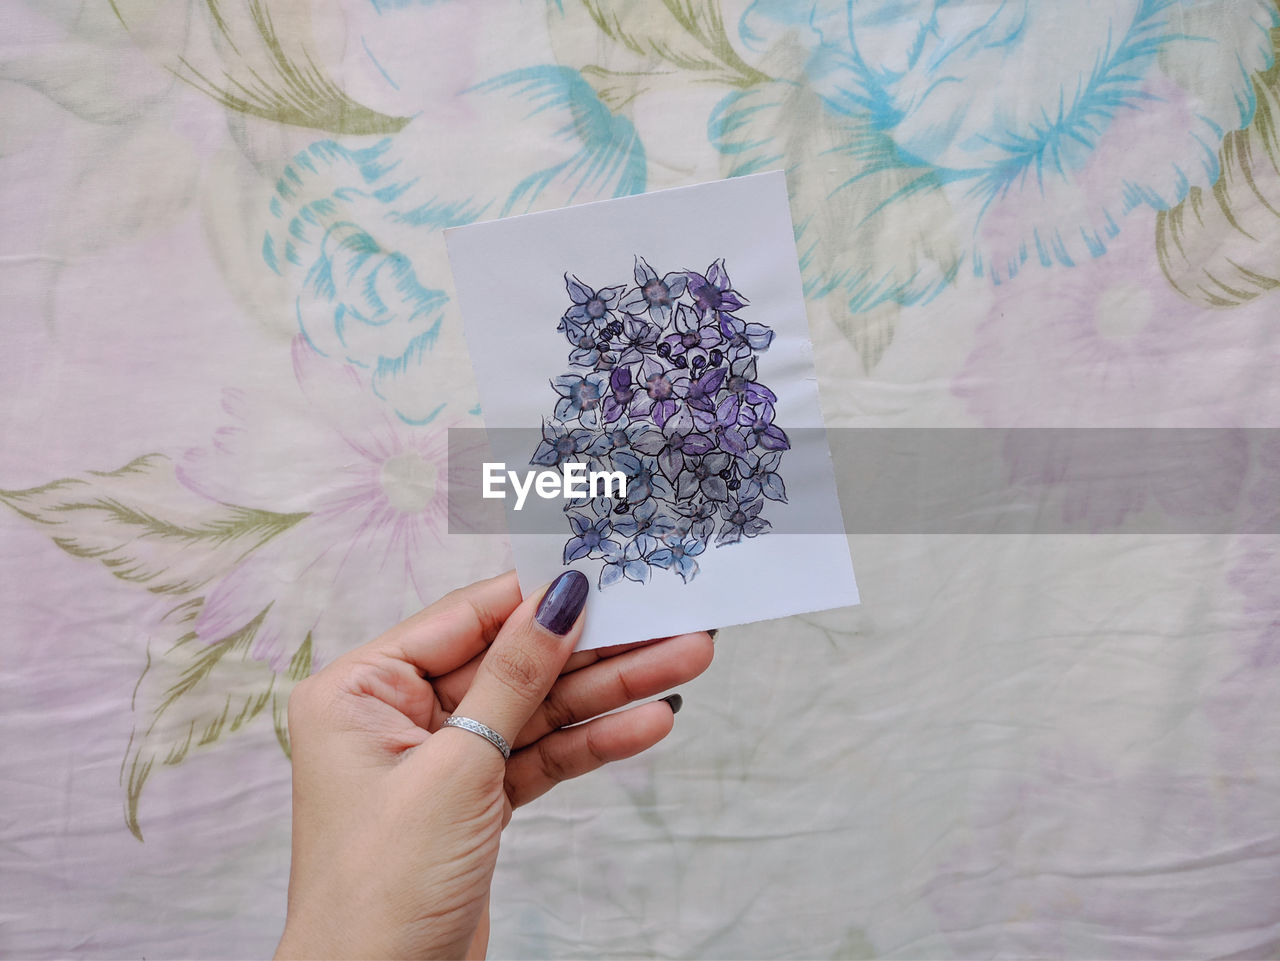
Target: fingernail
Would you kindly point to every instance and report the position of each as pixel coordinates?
(560, 606)
(674, 701)
(713, 632)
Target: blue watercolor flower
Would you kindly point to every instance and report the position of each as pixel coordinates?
(591, 308)
(581, 397)
(644, 479)
(678, 555)
(590, 345)
(761, 476)
(644, 518)
(653, 294)
(591, 538)
(629, 562)
(741, 519)
(560, 444)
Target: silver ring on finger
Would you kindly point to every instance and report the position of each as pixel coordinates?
(486, 732)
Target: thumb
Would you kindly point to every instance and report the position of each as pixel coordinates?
(523, 662)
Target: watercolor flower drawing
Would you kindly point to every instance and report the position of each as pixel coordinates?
(664, 389)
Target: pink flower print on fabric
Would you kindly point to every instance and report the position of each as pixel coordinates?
(374, 490)
(1111, 344)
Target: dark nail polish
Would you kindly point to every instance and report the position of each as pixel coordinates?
(560, 606)
(713, 632)
(674, 701)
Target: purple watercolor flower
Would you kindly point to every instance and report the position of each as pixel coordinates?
(742, 381)
(622, 392)
(714, 292)
(676, 440)
(743, 338)
(662, 394)
(761, 430)
(729, 434)
(692, 339)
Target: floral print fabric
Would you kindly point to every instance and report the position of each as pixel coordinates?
(234, 355)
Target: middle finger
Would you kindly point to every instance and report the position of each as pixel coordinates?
(615, 681)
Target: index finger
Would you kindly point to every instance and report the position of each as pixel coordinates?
(445, 635)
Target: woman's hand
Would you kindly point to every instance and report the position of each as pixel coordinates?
(396, 818)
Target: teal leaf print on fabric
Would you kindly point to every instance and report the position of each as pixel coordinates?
(610, 159)
(859, 207)
(350, 228)
(1044, 171)
(359, 233)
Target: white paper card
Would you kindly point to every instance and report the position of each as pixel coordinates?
(660, 339)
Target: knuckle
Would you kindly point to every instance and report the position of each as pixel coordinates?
(624, 685)
(592, 743)
(313, 702)
(553, 766)
(557, 710)
(519, 670)
(461, 605)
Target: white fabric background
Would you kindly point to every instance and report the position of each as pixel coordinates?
(1040, 746)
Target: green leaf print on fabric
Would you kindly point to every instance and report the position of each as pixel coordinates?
(1218, 248)
(145, 527)
(194, 694)
(264, 71)
(629, 50)
(686, 34)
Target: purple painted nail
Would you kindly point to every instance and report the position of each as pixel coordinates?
(560, 606)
